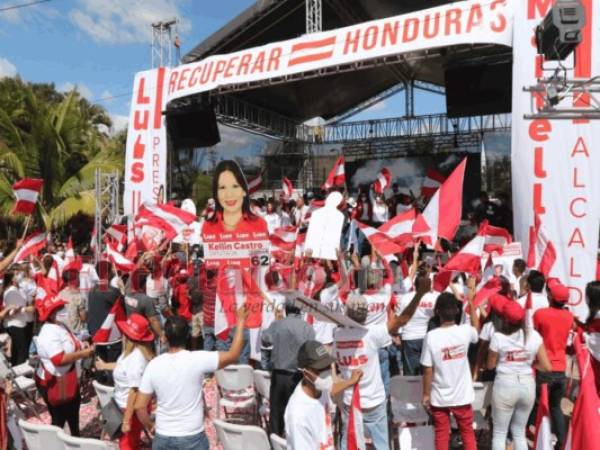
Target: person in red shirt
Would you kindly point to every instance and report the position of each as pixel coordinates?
(181, 295)
(554, 325)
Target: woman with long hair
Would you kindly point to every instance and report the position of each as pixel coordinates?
(57, 375)
(592, 327)
(513, 351)
(127, 373)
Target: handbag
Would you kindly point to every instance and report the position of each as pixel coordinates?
(112, 419)
(61, 390)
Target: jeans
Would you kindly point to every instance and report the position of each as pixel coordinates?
(411, 350)
(208, 336)
(557, 387)
(512, 400)
(384, 366)
(375, 421)
(223, 346)
(193, 442)
(464, 419)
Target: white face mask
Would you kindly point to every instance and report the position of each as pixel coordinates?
(19, 277)
(324, 382)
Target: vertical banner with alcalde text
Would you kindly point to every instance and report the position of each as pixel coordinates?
(555, 162)
(146, 151)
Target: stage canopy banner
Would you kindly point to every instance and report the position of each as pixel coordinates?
(555, 162)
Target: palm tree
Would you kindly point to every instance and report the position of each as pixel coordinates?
(59, 138)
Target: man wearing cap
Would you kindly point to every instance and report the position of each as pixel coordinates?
(554, 325)
(308, 413)
(358, 348)
(285, 336)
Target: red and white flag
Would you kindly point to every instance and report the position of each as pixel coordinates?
(255, 184)
(108, 331)
(120, 261)
(405, 228)
(584, 432)
(356, 431)
(32, 246)
(542, 254)
(70, 253)
(444, 210)
(283, 239)
(380, 241)
(26, 192)
(118, 235)
(299, 251)
(543, 430)
(383, 181)
(337, 175)
(236, 287)
(496, 238)
(432, 182)
(287, 188)
(170, 219)
(468, 259)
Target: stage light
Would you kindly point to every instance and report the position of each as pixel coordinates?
(560, 32)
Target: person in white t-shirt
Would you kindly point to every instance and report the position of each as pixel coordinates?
(447, 385)
(535, 297)
(272, 217)
(175, 379)
(16, 321)
(138, 341)
(308, 412)
(358, 348)
(513, 351)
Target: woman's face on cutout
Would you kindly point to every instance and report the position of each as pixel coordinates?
(230, 192)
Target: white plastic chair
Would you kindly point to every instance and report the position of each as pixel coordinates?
(75, 443)
(23, 386)
(406, 393)
(248, 437)
(277, 442)
(236, 394)
(40, 436)
(262, 382)
(104, 393)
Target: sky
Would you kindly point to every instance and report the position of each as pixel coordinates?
(98, 46)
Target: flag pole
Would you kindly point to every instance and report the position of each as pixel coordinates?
(26, 227)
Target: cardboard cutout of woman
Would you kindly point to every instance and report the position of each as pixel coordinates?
(235, 238)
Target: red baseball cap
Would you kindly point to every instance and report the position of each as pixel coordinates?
(47, 306)
(512, 312)
(136, 328)
(558, 291)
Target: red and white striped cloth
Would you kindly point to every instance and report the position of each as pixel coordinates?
(444, 210)
(119, 260)
(287, 188)
(255, 184)
(108, 331)
(383, 181)
(356, 431)
(380, 241)
(405, 228)
(117, 234)
(496, 238)
(170, 219)
(543, 430)
(468, 259)
(283, 239)
(26, 192)
(337, 175)
(542, 254)
(32, 246)
(432, 182)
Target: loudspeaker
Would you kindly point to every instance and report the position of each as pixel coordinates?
(479, 87)
(193, 127)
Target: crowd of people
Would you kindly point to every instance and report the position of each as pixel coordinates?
(519, 337)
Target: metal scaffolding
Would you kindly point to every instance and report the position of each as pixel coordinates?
(107, 204)
(314, 16)
(163, 42)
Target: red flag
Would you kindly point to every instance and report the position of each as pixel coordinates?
(108, 331)
(70, 253)
(432, 182)
(468, 259)
(382, 182)
(584, 432)
(404, 229)
(170, 219)
(496, 238)
(444, 210)
(542, 253)
(287, 188)
(255, 184)
(337, 176)
(26, 192)
(380, 241)
(131, 251)
(118, 235)
(120, 261)
(32, 246)
(356, 432)
(283, 239)
(543, 433)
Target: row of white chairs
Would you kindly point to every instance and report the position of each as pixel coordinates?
(49, 437)
(234, 437)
